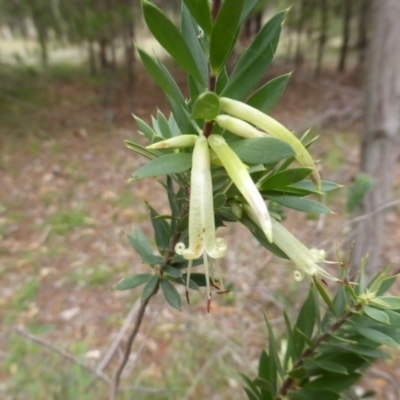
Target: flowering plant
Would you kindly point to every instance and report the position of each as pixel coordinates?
(224, 158)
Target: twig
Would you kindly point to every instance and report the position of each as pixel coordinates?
(117, 341)
(63, 354)
(138, 322)
(287, 384)
(360, 218)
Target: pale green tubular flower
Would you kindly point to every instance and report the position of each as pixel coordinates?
(202, 239)
(237, 171)
(177, 142)
(274, 128)
(238, 127)
(302, 257)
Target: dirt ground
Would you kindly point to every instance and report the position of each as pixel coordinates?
(65, 205)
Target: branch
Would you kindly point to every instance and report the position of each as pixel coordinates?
(132, 336)
(287, 384)
(63, 354)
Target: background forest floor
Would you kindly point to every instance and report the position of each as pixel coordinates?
(65, 205)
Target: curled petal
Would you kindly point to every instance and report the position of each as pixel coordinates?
(237, 171)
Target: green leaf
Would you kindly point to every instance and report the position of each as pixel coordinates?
(330, 366)
(265, 98)
(387, 302)
(355, 349)
(219, 200)
(168, 35)
(303, 394)
(224, 33)
(285, 178)
(376, 315)
(298, 373)
(326, 186)
(152, 259)
(248, 7)
(139, 242)
(130, 282)
(300, 204)
(138, 149)
(255, 60)
(305, 324)
(201, 12)
(376, 336)
(206, 106)
(261, 150)
(394, 318)
(162, 231)
(171, 294)
(265, 386)
(335, 383)
(150, 287)
(325, 296)
(144, 129)
(163, 125)
(252, 392)
(174, 163)
(191, 32)
(162, 77)
(260, 236)
(171, 271)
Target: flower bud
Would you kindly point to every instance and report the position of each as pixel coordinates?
(238, 127)
(240, 176)
(176, 142)
(274, 128)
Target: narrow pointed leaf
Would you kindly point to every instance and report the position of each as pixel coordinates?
(191, 33)
(261, 150)
(300, 204)
(391, 302)
(200, 10)
(325, 297)
(377, 315)
(144, 128)
(171, 294)
(224, 33)
(168, 35)
(161, 77)
(165, 165)
(130, 282)
(285, 178)
(150, 287)
(255, 60)
(330, 366)
(377, 336)
(139, 242)
(265, 98)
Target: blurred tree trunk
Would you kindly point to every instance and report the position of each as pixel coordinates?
(322, 35)
(362, 39)
(381, 137)
(345, 34)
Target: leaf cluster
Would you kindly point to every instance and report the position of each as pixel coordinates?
(326, 352)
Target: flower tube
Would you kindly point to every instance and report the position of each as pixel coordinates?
(202, 239)
(237, 171)
(302, 257)
(176, 142)
(238, 127)
(274, 128)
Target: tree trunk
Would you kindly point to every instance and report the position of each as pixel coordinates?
(362, 39)
(322, 35)
(381, 138)
(345, 35)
